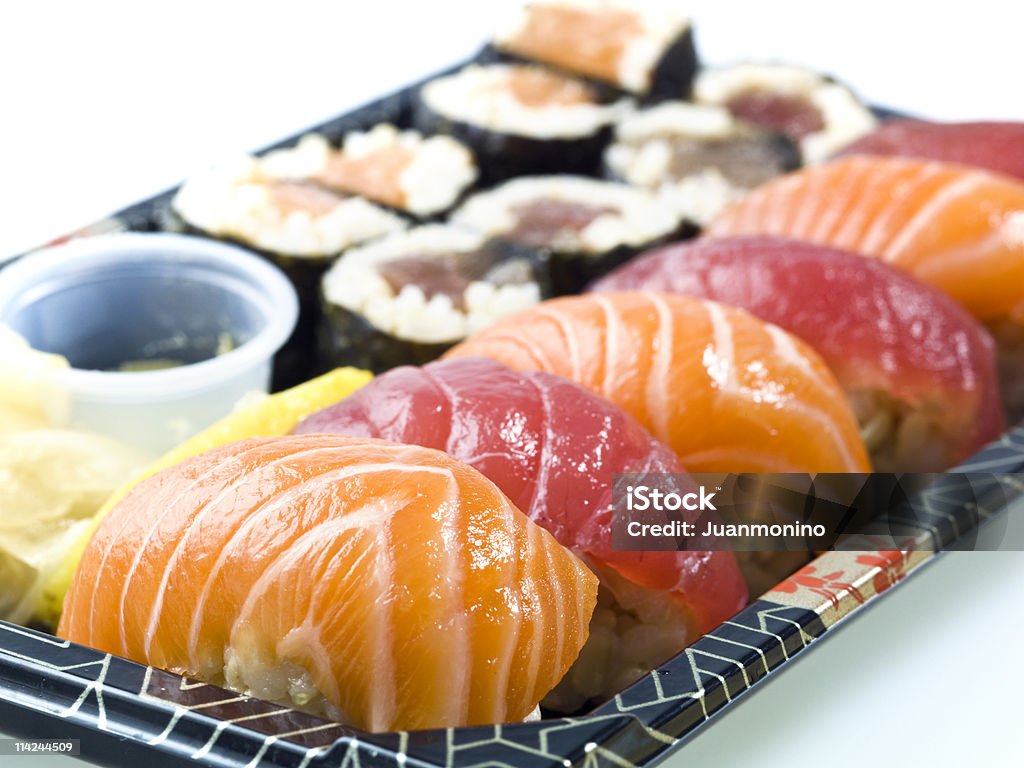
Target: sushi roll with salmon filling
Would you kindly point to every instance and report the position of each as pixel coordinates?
(698, 158)
(300, 225)
(409, 297)
(646, 51)
(814, 110)
(580, 227)
(273, 210)
(417, 175)
(520, 119)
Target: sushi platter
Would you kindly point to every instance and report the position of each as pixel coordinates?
(491, 293)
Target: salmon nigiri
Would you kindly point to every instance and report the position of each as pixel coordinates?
(957, 228)
(994, 146)
(554, 448)
(918, 369)
(726, 391)
(387, 586)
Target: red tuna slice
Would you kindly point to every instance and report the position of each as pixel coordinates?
(553, 447)
(994, 146)
(908, 355)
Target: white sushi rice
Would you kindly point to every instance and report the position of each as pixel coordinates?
(234, 200)
(642, 156)
(845, 117)
(355, 284)
(479, 95)
(700, 197)
(670, 117)
(248, 671)
(639, 217)
(661, 24)
(440, 170)
(904, 435)
(307, 158)
(279, 680)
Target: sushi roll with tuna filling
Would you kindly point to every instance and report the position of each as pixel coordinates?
(581, 228)
(297, 223)
(817, 112)
(520, 119)
(409, 297)
(417, 175)
(647, 51)
(698, 158)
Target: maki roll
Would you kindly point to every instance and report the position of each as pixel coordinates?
(697, 157)
(646, 51)
(815, 111)
(417, 175)
(262, 206)
(295, 222)
(520, 119)
(410, 296)
(919, 371)
(557, 464)
(581, 228)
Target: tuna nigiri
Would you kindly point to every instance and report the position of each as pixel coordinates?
(993, 146)
(553, 448)
(387, 586)
(919, 371)
(957, 228)
(726, 391)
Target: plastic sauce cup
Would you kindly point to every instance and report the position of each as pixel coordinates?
(131, 301)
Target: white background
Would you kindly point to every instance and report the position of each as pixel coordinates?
(102, 104)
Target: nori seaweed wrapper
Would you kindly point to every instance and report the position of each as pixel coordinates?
(500, 156)
(346, 337)
(787, 150)
(672, 77)
(569, 272)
